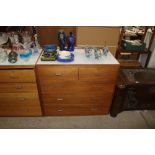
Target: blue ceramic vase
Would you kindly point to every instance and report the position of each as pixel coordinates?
(70, 42)
(61, 40)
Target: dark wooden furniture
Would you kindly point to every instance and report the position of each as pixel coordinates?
(135, 90)
(133, 63)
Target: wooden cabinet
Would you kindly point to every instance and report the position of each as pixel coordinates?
(18, 93)
(76, 89)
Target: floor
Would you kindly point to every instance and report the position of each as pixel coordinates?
(124, 120)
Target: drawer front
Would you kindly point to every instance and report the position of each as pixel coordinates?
(59, 73)
(20, 111)
(23, 75)
(78, 87)
(17, 87)
(19, 99)
(81, 100)
(105, 73)
(76, 110)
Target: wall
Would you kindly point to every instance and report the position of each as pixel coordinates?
(48, 34)
(98, 36)
(85, 35)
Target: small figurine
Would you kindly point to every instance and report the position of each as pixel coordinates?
(61, 39)
(12, 57)
(70, 42)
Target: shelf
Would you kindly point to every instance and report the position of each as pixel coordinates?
(133, 52)
(130, 64)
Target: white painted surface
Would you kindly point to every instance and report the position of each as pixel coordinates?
(80, 58)
(31, 61)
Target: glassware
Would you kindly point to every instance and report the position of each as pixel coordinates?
(105, 51)
(88, 52)
(12, 57)
(61, 39)
(3, 55)
(96, 53)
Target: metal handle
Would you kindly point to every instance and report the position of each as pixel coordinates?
(18, 87)
(58, 74)
(59, 110)
(22, 99)
(93, 98)
(93, 109)
(26, 110)
(12, 76)
(59, 99)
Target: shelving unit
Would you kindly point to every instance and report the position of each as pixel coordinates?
(133, 63)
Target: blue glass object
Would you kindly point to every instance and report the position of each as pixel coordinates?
(70, 42)
(26, 54)
(61, 40)
(50, 47)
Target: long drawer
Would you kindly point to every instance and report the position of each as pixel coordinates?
(19, 99)
(17, 87)
(78, 87)
(75, 99)
(74, 110)
(57, 73)
(17, 75)
(19, 104)
(20, 111)
(106, 73)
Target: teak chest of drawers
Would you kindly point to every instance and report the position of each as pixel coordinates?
(76, 89)
(18, 92)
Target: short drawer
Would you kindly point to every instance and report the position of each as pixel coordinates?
(17, 75)
(104, 73)
(19, 99)
(17, 87)
(20, 111)
(66, 73)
